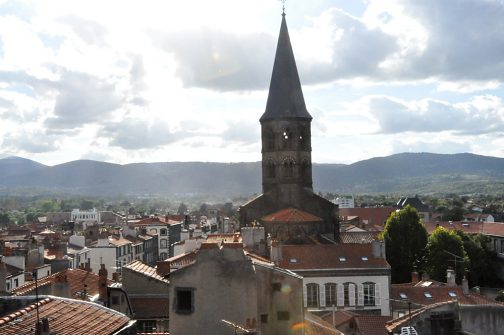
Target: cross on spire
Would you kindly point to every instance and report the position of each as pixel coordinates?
(283, 7)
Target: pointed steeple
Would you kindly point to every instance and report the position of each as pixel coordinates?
(285, 99)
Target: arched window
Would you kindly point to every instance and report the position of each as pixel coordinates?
(312, 295)
(287, 139)
(162, 232)
(288, 168)
(350, 294)
(330, 294)
(369, 294)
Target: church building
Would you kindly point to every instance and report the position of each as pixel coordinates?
(288, 208)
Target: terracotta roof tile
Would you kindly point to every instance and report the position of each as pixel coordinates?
(368, 216)
(144, 269)
(422, 296)
(66, 317)
(330, 256)
(76, 279)
(340, 317)
(315, 325)
(291, 215)
(358, 237)
(372, 324)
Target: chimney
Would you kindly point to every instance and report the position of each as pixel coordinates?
(450, 277)
(275, 251)
(163, 268)
(414, 277)
(378, 249)
(3, 277)
(465, 285)
(87, 266)
(43, 327)
(425, 276)
(60, 287)
(115, 276)
(102, 284)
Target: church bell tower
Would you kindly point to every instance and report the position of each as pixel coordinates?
(286, 126)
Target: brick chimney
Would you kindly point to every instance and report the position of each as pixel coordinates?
(60, 287)
(162, 268)
(42, 327)
(102, 284)
(414, 277)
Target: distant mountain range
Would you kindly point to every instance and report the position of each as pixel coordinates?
(407, 173)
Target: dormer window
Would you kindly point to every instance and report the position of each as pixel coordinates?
(403, 296)
(428, 295)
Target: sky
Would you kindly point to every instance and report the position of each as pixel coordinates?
(157, 81)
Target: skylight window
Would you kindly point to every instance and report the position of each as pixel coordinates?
(452, 294)
(364, 258)
(428, 295)
(403, 295)
(426, 283)
(342, 259)
(293, 260)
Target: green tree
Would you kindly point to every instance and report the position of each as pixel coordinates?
(405, 239)
(445, 249)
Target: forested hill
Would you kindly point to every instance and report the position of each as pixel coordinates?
(407, 173)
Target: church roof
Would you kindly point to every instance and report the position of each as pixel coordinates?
(285, 98)
(291, 215)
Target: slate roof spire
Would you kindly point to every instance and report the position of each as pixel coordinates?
(285, 98)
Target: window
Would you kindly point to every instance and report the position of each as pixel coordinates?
(369, 294)
(403, 295)
(264, 318)
(276, 287)
(288, 166)
(115, 300)
(283, 315)
(330, 294)
(163, 243)
(270, 169)
(452, 294)
(184, 300)
(312, 295)
(162, 232)
(163, 256)
(350, 294)
(428, 295)
(342, 259)
(16, 282)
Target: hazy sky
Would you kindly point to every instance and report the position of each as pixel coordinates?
(143, 81)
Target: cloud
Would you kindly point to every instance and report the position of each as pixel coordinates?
(82, 98)
(31, 142)
(133, 134)
(91, 32)
(481, 114)
(221, 61)
(241, 132)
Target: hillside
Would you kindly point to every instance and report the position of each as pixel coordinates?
(407, 173)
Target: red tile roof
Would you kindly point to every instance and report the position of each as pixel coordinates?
(144, 269)
(291, 215)
(358, 237)
(66, 317)
(486, 228)
(340, 317)
(417, 295)
(315, 325)
(372, 324)
(330, 256)
(369, 216)
(76, 279)
(403, 320)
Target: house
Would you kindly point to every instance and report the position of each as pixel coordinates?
(415, 202)
(346, 276)
(224, 288)
(168, 232)
(478, 217)
(11, 277)
(369, 218)
(345, 201)
(18, 316)
(148, 293)
(85, 217)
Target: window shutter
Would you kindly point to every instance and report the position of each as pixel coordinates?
(351, 292)
(305, 296)
(377, 295)
(322, 297)
(360, 299)
(340, 295)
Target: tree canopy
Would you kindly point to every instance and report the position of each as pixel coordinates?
(405, 239)
(445, 249)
